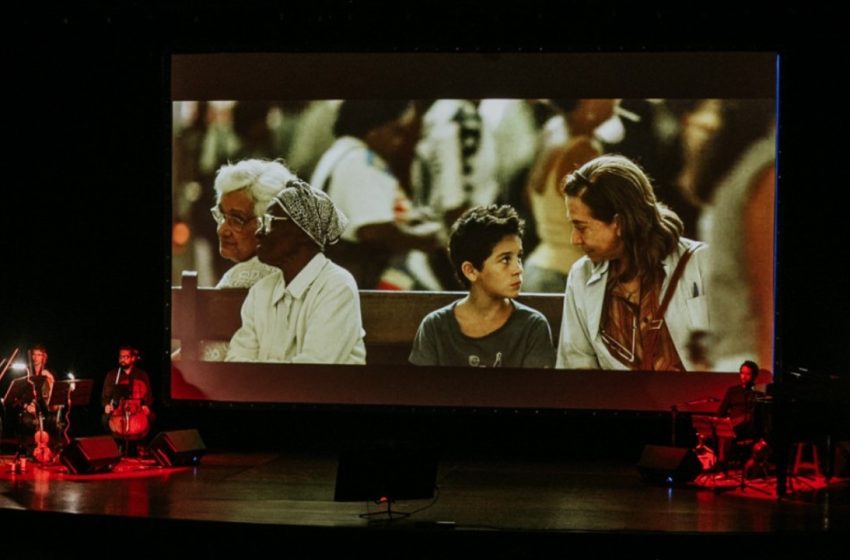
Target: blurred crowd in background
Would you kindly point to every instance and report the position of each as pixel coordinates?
(436, 158)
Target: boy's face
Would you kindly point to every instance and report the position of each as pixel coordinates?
(501, 273)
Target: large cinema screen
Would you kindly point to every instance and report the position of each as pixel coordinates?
(404, 145)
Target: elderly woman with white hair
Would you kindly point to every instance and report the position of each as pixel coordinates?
(243, 190)
(308, 309)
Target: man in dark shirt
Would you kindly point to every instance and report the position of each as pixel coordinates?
(739, 400)
(127, 399)
(738, 405)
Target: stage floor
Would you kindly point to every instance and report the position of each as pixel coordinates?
(264, 495)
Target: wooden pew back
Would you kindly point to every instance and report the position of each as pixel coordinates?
(390, 318)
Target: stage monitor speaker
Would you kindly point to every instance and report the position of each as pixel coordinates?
(671, 465)
(391, 471)
(88, 455)
(177, 448)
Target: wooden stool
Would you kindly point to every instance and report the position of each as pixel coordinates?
(799, 461)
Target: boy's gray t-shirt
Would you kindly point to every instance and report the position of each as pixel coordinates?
(524, 341)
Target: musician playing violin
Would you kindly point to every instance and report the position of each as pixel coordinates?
(39, 371)
(127, 398)
(34, 417)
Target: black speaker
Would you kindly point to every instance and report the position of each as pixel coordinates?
(88, 455)
(392, 471)
(671, 465)
(177, 448)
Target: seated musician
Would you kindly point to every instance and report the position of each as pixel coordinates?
(33, 412)
(127, 400)
(486, 328)
(739, 404)
(739, 401)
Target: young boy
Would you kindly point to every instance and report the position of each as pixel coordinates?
(486, 328)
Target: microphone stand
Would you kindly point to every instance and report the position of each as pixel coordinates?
(8, 363)
(65, 439)
(674, 410)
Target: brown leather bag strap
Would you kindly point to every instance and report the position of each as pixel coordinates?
(677, 275)
(651, 342)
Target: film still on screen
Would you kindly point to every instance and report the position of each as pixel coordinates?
(560, 239)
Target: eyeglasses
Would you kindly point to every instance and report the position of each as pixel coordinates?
(234, 222)
(265, 223)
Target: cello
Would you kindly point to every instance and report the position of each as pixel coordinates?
(128, 420)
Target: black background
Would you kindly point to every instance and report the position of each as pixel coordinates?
(86, 150)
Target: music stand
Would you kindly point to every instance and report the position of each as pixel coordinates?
(77, 392)
(120, 392)
(19, 389)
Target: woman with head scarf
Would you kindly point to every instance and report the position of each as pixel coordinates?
(308, 309)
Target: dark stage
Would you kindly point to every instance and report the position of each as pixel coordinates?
(86, 239)
(234, 503)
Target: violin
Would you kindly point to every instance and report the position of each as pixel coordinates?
(42, 453)
(128, 419)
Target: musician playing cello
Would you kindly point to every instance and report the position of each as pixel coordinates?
(127, 399)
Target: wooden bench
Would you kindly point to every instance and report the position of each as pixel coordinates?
(390, 318)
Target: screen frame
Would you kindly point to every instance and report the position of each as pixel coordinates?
(353, 75)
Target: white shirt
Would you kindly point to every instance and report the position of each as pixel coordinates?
(582, 347)
(313, 320)
(440, 151)
(244, 274)
(240, 275)
(360, 184)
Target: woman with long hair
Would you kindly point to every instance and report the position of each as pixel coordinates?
(637, 295)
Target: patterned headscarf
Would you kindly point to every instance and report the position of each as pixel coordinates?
(313, 211)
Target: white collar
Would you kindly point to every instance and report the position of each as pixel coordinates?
(302, 281)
